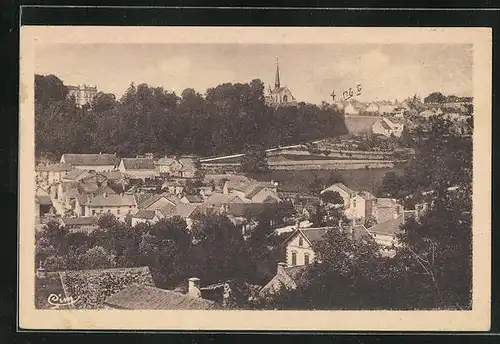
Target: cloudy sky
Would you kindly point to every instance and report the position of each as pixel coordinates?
(311, 71)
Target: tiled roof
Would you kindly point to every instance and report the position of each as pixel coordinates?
(93, 287)
(386, 203)
(194, 198)
(147, 297)
(217, 198)
(314, 234)
(104, 189)
(113, 200)
(74, 174)
(165, 161)
(167, 211)
(367, 195)
(43, 200)
(53, 168)
(153, 199)
(112, 175)
(138, 164)
(91, 159)
(79, 221)
(141, 197)
(390, 227)
(184, 210)
(341, 187)
(145, 214)
(90, 187)
(69, 185)
(254, 190)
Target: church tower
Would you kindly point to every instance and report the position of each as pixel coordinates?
(280, 95)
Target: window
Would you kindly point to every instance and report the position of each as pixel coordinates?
(93, 212)
(354, 203)
(117, 211)
(306, 258)
(294, 258)
(285, 98)
(301, 241)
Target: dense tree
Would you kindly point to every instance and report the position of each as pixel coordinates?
(152, 119)
(255, 159)
(332, 197)
(435, 97)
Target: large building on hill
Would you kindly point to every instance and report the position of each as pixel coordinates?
(280, 95)
(83, 94)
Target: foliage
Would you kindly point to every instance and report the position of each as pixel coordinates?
(152, 119)
(432, 265)
(331, 197)
(255, 159)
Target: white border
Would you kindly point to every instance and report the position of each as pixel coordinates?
(477, 319)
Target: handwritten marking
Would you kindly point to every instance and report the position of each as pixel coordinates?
(349, 93)
(58, 300)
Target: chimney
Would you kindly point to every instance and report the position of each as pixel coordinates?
(40, 272)
(194, 287)
(281, 266)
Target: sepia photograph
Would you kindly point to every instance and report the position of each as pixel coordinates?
(256, 176)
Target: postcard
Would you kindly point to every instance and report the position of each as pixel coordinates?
(255, 178)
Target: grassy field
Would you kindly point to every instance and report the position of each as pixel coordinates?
(359, 179)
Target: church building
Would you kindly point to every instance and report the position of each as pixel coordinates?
(280, 95)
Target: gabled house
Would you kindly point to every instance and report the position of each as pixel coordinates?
(76, 175)
(91, 162)
(158, 201)
(385, 232)
(289, 277)
(387, 128)
(116, 204)
(144, 216)
(79, 224)
(299, 245)
(191, 199)
(139, 168)
(346, 193)
(145, 297)
(174, 187)
(360, 206)
(183, 167)
(385, 209)
(187, 212)
(51, 174)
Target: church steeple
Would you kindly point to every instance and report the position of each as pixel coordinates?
(277, 81)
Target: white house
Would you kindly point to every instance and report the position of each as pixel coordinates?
(51, 174)
(116, 204)
(350, 110)
(94, 162)
(360, 206)
(140, 168)
(344, 192)
(299, 245)
(386, 127)
(372, 108)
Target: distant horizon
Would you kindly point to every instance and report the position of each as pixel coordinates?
(311, 71)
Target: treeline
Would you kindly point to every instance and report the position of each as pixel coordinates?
(151, 119)
(213, 250)
(432, 265)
